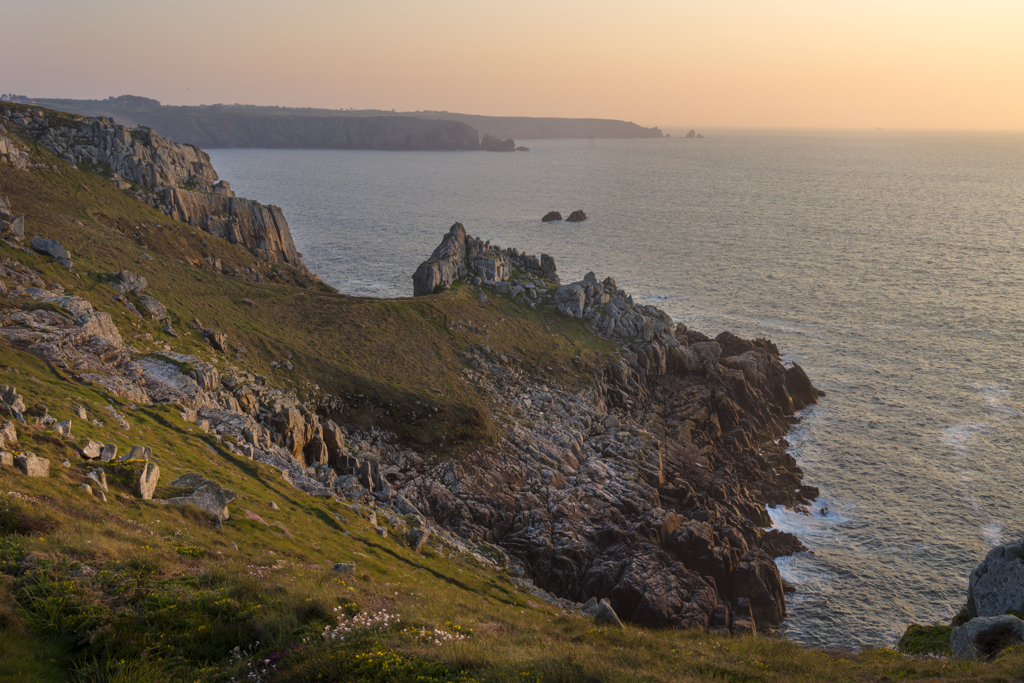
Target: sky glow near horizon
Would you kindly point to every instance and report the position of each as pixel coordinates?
(736, 63)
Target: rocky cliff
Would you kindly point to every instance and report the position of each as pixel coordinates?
(648, 491)
(176, 178)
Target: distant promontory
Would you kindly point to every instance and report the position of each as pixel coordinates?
(218, 126)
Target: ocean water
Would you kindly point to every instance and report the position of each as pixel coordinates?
(889, 265)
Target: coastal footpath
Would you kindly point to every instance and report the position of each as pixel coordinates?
(213, 464)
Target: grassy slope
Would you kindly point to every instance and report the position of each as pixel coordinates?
(174, 596)
(394, 353)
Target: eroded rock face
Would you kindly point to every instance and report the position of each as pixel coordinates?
(260, 228)
(174, 178)
(996, 585)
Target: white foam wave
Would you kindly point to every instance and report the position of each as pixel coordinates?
(993, 533)
(994, 395)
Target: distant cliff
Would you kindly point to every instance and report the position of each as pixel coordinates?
(225, 128)
(277, 127)
(550, 128)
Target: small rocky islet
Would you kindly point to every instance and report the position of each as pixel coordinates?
(639, 499)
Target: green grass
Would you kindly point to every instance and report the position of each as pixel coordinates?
(132, 590)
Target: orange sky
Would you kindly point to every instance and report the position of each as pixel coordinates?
(784, 63)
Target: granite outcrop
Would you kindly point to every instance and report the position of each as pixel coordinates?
(460, 255)
(649, 491)
(178, 179)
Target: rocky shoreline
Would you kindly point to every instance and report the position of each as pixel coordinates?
(648, 489)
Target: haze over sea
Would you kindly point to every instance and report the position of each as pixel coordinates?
(889, 265)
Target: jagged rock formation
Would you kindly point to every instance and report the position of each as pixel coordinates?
(576, 216)
(460, 254)
(176, 178)
(649, 491)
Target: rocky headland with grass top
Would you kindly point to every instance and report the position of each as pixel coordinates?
(213, 466)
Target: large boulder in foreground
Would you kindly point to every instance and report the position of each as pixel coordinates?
(996, 586)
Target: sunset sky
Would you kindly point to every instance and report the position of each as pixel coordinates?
(670, 63)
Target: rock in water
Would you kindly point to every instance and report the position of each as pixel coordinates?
(985, 637)
(996, 586)
(692, 134)
(551, 216)
(493, 144)
(576, 216)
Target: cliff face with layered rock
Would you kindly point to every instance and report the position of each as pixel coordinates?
(650, 489)
(176, 178)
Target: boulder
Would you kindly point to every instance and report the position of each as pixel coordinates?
(16, 228)
(344, 568)
(155, 308)
(92, 449)
(108, 453)
(210, 496)
(217, 340)
(99, 477)
(139, 453)
(985, 637)
(53, 248)
(192, 480)
(996, 585)
(63, 428)
(32, 466)
(145, 485)
(604, 614)
(576, 216)
(6, 459)
(418, 540)
(551, 216)
(128, 282)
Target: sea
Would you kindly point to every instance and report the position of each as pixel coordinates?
(890, 265)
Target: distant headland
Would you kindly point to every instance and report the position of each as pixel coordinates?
(237, 125)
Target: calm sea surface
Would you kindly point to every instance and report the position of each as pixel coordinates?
(889, 265)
